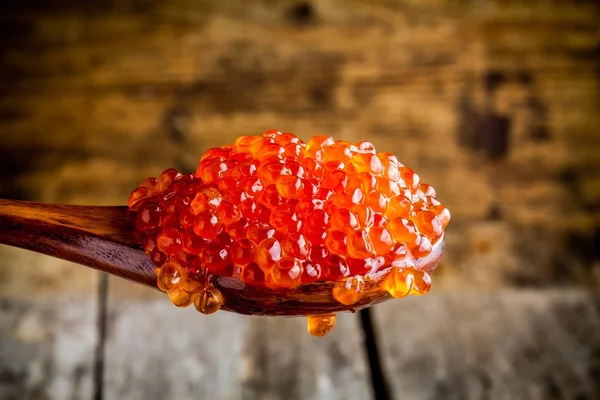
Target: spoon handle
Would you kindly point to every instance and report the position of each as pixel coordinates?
(95, 236)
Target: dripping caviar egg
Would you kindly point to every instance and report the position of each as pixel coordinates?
(273, 213)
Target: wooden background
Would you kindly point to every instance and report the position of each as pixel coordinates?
(494, 103)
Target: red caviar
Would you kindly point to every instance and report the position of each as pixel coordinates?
(273, 211)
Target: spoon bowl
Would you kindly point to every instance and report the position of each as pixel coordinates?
(311, 299)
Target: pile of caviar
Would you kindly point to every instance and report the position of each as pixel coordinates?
(273, 211)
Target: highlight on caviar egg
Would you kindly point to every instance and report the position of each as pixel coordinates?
(272, 211)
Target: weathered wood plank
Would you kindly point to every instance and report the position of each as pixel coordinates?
(155, 350)
(47, 347)
(501, 345)
(286, 362)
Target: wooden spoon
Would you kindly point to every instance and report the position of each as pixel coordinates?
(103, 238)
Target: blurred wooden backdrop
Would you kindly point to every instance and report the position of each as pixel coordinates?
(494, 103)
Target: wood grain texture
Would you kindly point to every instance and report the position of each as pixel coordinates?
(97, 237)
(47, 348)
(190, 356)
(284, 361)
(499, 345)
(228, 356)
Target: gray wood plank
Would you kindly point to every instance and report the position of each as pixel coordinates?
(286, 362)
(155, 350)
(47, 347)
(502, 345)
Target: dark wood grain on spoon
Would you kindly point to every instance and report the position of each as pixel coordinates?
(95, 236)
(103, 238)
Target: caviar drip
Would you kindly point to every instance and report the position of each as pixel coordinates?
(276, 212)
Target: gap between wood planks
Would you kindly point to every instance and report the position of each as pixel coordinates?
(379, 382)
(101, 322)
